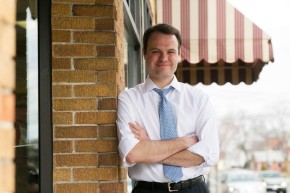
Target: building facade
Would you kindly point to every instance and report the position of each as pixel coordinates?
(62, 65)
(90, 43)
(87, 75)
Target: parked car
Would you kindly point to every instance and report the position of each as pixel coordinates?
(241, 180)
(275, 181)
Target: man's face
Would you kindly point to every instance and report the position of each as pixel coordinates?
(161, 56)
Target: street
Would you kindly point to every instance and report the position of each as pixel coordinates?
(214, 182)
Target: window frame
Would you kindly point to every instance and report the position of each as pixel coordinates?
(133, 33)
(45, 97)
(137, 18)
(133, 37)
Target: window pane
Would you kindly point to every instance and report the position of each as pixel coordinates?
(26, 123)
(126, 62)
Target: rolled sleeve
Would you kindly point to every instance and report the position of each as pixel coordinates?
(207, 133)
(127, 140)
(211, 158)
(126, 144)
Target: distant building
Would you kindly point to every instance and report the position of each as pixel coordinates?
(275, 143)
(269, 159)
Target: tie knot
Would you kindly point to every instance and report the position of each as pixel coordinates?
(163, 92)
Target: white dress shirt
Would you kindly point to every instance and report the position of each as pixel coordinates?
(194, 116)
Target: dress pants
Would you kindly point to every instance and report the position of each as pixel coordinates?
(200, 187)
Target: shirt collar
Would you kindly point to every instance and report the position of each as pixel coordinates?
(149, 85)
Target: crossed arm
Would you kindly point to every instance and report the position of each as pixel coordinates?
(170, 152)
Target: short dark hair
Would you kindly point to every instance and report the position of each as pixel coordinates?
(162, 28)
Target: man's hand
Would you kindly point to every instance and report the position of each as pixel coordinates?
(138, 131)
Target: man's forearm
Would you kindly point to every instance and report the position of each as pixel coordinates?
(153, 151)
(184, 158)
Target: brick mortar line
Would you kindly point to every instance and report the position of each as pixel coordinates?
(6, 125)
(74, 97)
(82, 17)
(84, 125)
(86, 57)
(72, 63)
(77, 30)
(72, 84)
(80, 44)
(6, 91)
(83, 83)
(73, 117)
(84, 3)
(89, 153)
(85, 153)
(77, 70)
(87, 167)
(86, 111)
(77, 153)
(90, 182)
(71, 175)
(87, 139)
(65, 125)
(73, 147)
(6, 161)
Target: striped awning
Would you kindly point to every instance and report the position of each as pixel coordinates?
(219, 44)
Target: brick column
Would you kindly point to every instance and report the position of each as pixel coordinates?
(7, 98)
(87, 75)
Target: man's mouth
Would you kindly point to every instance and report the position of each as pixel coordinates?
(163, 64)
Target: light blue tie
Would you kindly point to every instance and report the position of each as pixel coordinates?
(168, 131)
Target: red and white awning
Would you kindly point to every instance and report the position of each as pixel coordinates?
(214, 31)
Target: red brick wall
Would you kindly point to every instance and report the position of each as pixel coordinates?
(7, 98)
(87, 62)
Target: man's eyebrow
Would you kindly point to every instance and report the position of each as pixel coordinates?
(171, 49)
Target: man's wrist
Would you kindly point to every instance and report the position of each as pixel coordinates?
(187, 142)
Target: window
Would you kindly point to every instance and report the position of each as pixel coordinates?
(132, 53)
(26, 122)
(137, 18)
(33, 106)
(45, 104)
(147, 15)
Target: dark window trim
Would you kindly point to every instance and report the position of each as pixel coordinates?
(45, 104)
(136, 17)
(147, 14)
(130, 25)
(132, 36)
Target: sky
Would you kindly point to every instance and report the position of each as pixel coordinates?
(32, 75)
(273, 85)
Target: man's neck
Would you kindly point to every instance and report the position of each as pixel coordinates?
(161, 83)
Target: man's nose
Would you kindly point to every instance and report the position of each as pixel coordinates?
(163, 57)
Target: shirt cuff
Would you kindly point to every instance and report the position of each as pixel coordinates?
(201, 149)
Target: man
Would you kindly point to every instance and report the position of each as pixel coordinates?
(166, 129)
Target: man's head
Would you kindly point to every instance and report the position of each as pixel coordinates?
(162, 28)
(161, 53)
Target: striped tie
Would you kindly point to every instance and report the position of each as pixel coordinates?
(168, 131)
